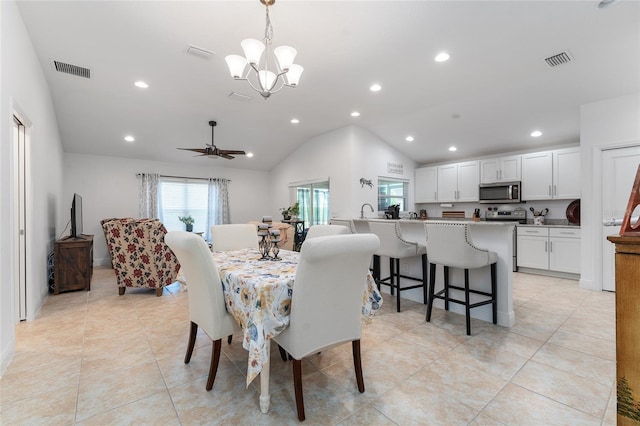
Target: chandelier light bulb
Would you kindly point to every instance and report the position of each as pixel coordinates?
(236, 64)
(252, 49)
(285, 56)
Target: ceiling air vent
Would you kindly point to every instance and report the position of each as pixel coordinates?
(199, 51)
(239, 97)
(559, 59)
(72, 69)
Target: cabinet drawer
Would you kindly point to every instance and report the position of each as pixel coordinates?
(564, 232)
(540, 231)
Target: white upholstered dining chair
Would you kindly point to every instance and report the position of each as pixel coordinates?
(234, 237)
(206, 298)
(326, 230)
(326, 304)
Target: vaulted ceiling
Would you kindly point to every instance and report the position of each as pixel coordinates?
(492, 93)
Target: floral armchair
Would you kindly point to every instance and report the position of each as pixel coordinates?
(139, 255)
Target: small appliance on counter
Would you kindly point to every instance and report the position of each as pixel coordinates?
(423, 214)
(392, 212)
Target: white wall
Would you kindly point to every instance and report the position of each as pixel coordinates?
(24, 88)
(109, 188)
(605, 124)
(344, 156)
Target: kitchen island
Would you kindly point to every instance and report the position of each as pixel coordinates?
(494, 236)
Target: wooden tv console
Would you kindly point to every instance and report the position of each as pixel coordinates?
(73, 262)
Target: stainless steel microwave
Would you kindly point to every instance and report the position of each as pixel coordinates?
(500, 193)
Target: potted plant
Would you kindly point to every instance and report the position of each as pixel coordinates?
(188, 222)
(290, 212)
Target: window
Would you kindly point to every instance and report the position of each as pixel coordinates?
(206, 200)
(313, 199)
(391, 192)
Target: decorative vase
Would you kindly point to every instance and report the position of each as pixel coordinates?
(189, 227)
(286, 217)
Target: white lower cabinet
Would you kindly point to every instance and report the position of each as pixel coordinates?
(552, 249)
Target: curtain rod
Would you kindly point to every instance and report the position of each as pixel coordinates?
(184, 177)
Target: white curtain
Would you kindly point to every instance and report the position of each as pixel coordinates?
(218, 204)
(149, 195)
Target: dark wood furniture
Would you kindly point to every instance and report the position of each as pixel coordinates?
(73, 260)
(627, 328)
(298, 233)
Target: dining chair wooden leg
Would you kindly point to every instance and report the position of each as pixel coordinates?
(357, 363)
(159, 292)
(391, 275)
(297, 384)
(215, 360)
(432, 285)
(396, 272)
(192, 342)
(283, 353)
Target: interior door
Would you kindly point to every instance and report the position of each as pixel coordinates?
(19, 137)
(619, 167)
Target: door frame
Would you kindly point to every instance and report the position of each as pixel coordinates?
(15, 219)
(597, 153)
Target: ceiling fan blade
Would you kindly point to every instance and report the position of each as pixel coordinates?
(225, 155)
(231, 151)
(200, 150)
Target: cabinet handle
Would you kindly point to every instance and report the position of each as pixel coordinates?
(555, 190)
(549, 190)
(566, 233)
(531, 232)
(500, 174)
(546, 246)
(435, 195)
(550, 246)
(497, 175)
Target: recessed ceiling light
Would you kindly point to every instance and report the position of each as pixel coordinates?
(455, 116)
(141, 84)
(294, 121)
(409, 139)
(129, 138)
(442, 57)
(249, 154)
(355, 114)
(375, 87)
(453, 148)
(536, 133)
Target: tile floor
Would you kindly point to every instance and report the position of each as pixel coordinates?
(96, 358)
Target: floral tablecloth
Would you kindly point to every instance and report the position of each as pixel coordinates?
(258, 295)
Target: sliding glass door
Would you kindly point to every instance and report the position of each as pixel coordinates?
(314, 203)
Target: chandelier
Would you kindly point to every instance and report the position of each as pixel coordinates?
(277, 70)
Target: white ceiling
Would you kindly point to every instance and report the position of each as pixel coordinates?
(496, 80)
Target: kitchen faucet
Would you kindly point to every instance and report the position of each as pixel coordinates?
(362, 209)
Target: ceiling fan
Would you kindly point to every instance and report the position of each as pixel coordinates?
(212, 150)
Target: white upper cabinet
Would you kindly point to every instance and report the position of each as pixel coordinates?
(426, 185)
(500, 169)
(551, 175)
(566, 173)
(459, 182)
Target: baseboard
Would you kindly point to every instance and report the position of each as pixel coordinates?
(546, 273)
(7, 356)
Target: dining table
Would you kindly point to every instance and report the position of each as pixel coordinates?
(258, 292)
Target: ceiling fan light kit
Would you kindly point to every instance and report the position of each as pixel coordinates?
(265, 81)
(212, 151)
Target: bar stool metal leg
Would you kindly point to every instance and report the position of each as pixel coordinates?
(467, 303)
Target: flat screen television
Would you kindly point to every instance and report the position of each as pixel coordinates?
(76, 216)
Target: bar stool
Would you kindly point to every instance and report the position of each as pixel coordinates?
(450, 245)
(394, 246)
